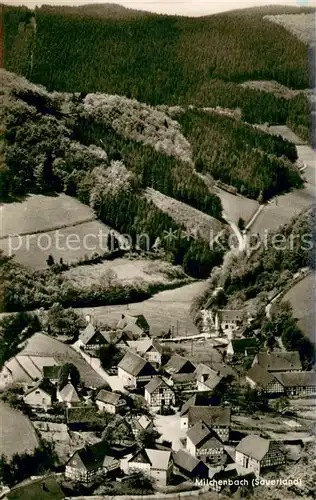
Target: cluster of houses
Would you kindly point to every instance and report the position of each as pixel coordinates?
(281, 373)
(207, 449)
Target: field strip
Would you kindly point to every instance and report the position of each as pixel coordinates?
(52, 228)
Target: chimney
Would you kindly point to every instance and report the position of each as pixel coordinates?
(88, 318)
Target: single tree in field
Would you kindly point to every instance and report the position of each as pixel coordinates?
(68, 370)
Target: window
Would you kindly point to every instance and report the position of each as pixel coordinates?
(37, 392)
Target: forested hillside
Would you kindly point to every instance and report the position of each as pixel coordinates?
(162, 59)
(257, 164)
(43, 154)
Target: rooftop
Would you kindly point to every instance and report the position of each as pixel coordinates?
(185, 460)
(254, 446)
(198, 433)
(177, 363)
(296, 379)
(279, 361)
(210, 415)
(111, 398)
(69, 394)
(260, 376)
(159, 459)
(198, 399)
(87, 334)
(132, 363)
(155, 383)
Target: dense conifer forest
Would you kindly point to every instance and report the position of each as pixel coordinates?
(162, 59)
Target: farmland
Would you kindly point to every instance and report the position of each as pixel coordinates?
(16, 432)
(38, 213)
(165, 310)
(56, 225)
(125, 271)
(302, 297)
(41, 344)
(194, 221)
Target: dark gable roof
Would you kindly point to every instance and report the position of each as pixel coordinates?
(93, 456)
(260, 376)
(133, 364)
(198, 433)
(186, 461)
(198, 399)
(279, 361)
(210, 415)
(111, 398)
(155, 383)
(296, 379)
(178, 363)
(89, 332)
(51, 372)
(241, 345)
(45, 386)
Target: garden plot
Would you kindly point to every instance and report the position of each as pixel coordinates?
(124, 271)
(168, 310)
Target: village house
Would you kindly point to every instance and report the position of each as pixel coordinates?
(258, 378)
(135, 370)
(198, 399)
(109, 402)
(158, 393)
(256, 453)
(51, 373)
(216, 418)
(278, 361)
(202, 443)
(157, 464)
(24, 369)
(178, 364)
(222, 321)
(41, 396)
(140, 424)
(189, 466)
(91, 462)
(136, 325)
(297, 383)
(149, 349)
(208, 382)
(68, 395)
(241, 348)
(92, 338)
